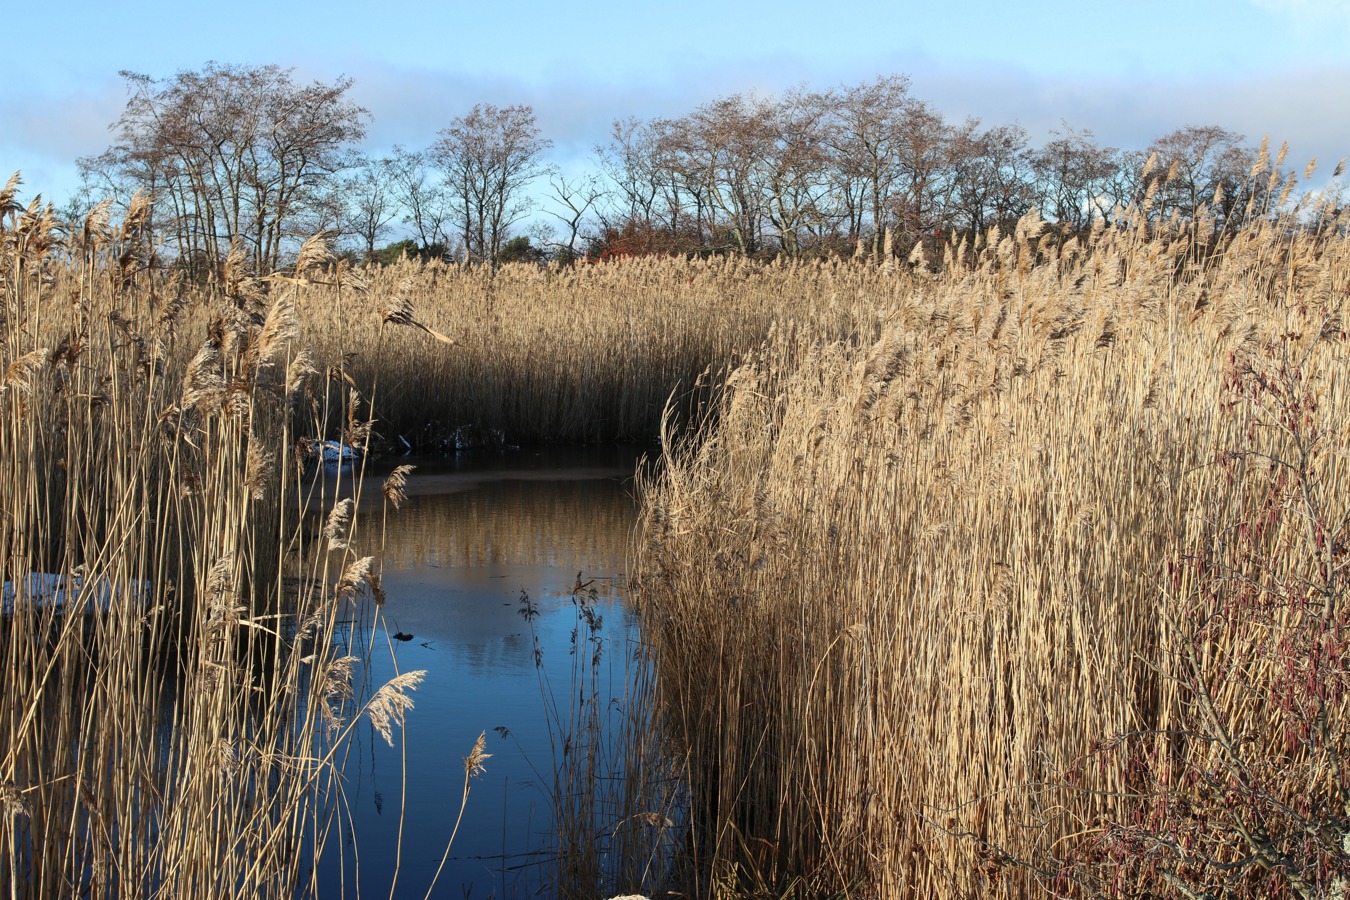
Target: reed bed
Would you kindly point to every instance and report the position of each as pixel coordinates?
(1026, 575)
(578, 354)
(1038, 590)
(174, 707)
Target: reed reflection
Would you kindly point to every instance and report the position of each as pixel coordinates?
(519, 522)
(473, 539)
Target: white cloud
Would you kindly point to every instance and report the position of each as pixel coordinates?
(1307, 107)
(46, 131)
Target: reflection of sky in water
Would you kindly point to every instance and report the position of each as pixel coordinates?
(467, 542)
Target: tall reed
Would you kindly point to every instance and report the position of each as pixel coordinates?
(580, 354)
(173, 705)
(925, 606)
(940, 598)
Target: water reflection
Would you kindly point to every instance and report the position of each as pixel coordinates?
(473, 539)
(533, 522)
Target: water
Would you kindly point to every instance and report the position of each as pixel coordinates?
(479, 539)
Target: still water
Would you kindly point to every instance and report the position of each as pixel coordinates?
(479, 540)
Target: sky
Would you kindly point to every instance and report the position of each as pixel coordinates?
(1128, 72)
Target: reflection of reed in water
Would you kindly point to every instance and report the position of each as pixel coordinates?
(577, 524)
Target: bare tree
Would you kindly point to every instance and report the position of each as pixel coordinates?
(922, 192)
(575, 199)
(1204, 166)
(1072, 177)
(368, 201)
(991, 177)
(230, 155)
(717, 151)
(489, 157)
(654, 206)
(867, 145)
(796, 182)
(422, 196)
(1128, 182)
(631, 161)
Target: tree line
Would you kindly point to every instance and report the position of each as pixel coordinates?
(244, 158)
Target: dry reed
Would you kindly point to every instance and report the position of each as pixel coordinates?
(930, 557)
(925, 606)
(175, 727)
(580, 354)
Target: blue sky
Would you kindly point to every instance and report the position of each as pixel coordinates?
(1129, 72)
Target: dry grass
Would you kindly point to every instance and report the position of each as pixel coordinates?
(905, 589)
(583, 354)
(934, 547)
(177, 731)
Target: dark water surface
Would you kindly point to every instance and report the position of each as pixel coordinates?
(475, 537)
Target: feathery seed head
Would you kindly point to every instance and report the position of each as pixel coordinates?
(391, 703)
(354, 576)
(314, 253)
(336, 528)
(473, 763)
(395, 486)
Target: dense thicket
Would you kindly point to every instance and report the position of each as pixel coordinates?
(1035, 585)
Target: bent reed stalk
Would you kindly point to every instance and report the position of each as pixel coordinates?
(174, 726)
(931, 612)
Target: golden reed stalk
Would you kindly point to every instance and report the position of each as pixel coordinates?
(935, 609)
(174, 707)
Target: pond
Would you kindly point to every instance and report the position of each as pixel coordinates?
(494, 568)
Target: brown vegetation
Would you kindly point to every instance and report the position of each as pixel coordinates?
(1037, 584)
(175, 707)
(572, 354)
(1019, 568)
